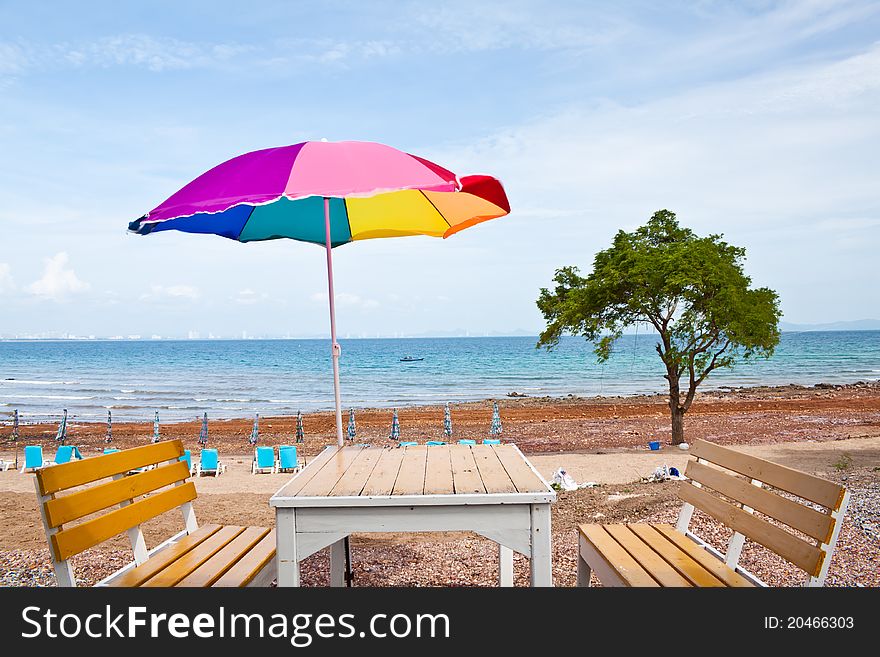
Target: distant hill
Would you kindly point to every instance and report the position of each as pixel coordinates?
(855, 325)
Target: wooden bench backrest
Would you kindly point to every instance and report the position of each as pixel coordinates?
(121, 498)
(731, 496)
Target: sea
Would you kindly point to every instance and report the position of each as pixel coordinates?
(182, 380)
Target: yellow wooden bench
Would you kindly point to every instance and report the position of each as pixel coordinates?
(125, 491)
(791, 513)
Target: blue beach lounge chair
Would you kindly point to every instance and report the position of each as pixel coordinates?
(188, 458)
(64, 454)
(467, 442)
(408, 444)
(435, 442)
(110, 450)
(288, 461)
(209, 463)
(264, 460)
(492, 441)
(33, 457)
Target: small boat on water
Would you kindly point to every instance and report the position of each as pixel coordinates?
(410, 359)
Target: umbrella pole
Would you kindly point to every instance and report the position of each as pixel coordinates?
(336, 350)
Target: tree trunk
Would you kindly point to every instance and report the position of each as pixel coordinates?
(677, 411)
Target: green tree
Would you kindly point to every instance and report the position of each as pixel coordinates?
(691, 289)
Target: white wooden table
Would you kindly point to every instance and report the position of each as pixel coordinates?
(488, 489)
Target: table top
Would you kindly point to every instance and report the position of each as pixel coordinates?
(420, 474)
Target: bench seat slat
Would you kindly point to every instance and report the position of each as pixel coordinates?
(212, 569)
(683, 562)
(69, 542)
(187, 563)
(647, 558)
(807, 557)
(711, 563)
(615, 558)
(82, 503)
(248, 567)
(159, 561)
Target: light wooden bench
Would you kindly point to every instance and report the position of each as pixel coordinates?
(77, 516)
(739, 491)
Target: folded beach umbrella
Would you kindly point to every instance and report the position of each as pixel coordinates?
(495, 429)
(395, 427)
(61, 434)
(15, 425)
(328, 193)
(109, 437)
(447, 421)
(300, 434)
(255, 432)
(352, 429)
(156, 428)
(203, 433)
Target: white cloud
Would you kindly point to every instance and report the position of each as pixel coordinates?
(247, 296)
(172, 292)
(6, 282)
(58, 281)
(346, 299)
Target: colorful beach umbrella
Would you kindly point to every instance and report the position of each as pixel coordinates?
(156, 428)
(109, 437)
(328, 193)
(300, 434)
(395, 427)
(447, 421)
(61, 435)
(495, 429)
(352, 428)
(255, 432)
(203, 434)
(15, 425)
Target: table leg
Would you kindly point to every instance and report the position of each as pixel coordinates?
(541, 566)
(505, 566)
(288, 563)
(337, 563)
(584, 570)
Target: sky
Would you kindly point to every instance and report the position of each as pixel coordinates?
(759, 121)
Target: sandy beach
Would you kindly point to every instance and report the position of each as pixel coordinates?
(831, 431)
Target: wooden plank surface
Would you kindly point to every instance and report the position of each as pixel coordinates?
(818, 490)
(76, 473)
(647, 558)
(102, 496)
(411, 477)
(212, 569)
(354, 479)
(381, 480)
(322, 483)
(788, 546)
(465, 475)
(306, 474)
(492, 472)
(518, 470)
(810, 521)
(159, 561)
(438, 474)
(711, 563)
(251, 564)
(74, 540)
(615, 557)
(194, 558)
(683, 563)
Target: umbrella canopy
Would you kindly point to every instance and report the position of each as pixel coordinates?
(352, 428)
(300, 434)
(156, 428)
(61, 435)
(328, 193)
(109, 437)
(255, 432)
(203, 433)
(495, 429)
(447, 421)
(395, 427)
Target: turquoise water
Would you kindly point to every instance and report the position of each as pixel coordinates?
(236, 378)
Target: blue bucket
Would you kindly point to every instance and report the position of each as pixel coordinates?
(654, 444)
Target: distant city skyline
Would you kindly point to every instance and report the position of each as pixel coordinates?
(755, 121)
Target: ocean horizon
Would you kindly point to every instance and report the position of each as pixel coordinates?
(182, 379)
